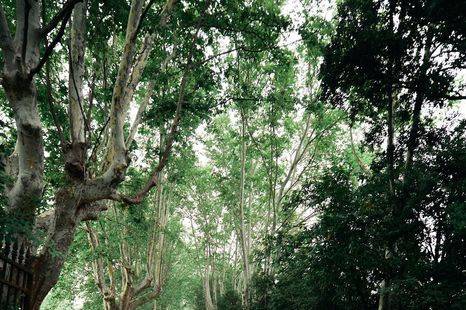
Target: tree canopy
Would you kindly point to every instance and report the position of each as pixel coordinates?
(224, 154)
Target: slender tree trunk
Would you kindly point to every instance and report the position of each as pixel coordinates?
(209, 305)
(383, 297)
(214, 282)
(242, 228)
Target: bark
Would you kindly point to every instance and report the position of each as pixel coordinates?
(29, 152)
(68, 208)
(27, 162)
(60, 16)
(75, 157)
(162, 223)
(273, 176)
(154, 179)
(313, 139)
(384, 298)
(137, 70)
(49, 262)
(116, 155)
(76, 74)
(6, 41)
(214, 286)
(159, 259)
(28, 158)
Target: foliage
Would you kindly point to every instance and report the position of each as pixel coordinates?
(322, 173)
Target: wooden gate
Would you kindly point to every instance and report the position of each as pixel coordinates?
(15, 274)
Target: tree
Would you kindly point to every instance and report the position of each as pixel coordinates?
(94, 148)
(402, 73)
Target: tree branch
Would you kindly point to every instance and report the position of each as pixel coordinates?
(116, 154)
(459, 97)
(50, 99)
(90, 212)
(60, 16)
(163, 15)
(51, 46)
(137, 70)
(296, 158)
(77, 91)
(148, 297)
(122, 95)
(143, 15)
(50, 102)
(154, 179)
(97, 264)
(145, 283)
(145, 102)
(26, 9)
(361, 164)
(6, 43)
(141, 109)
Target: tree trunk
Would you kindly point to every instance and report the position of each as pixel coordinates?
(27, 161)
(209, 305)
(242, 228)
(48, 265)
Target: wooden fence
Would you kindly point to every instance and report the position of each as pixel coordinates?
(15, 276)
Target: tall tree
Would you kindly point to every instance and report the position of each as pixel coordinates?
(403, 73)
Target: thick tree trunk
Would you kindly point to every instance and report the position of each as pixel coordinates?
(27, 161)
(48, 264)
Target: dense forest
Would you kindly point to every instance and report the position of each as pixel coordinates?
(228, 154)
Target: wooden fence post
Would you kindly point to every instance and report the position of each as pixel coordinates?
(15, 274)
